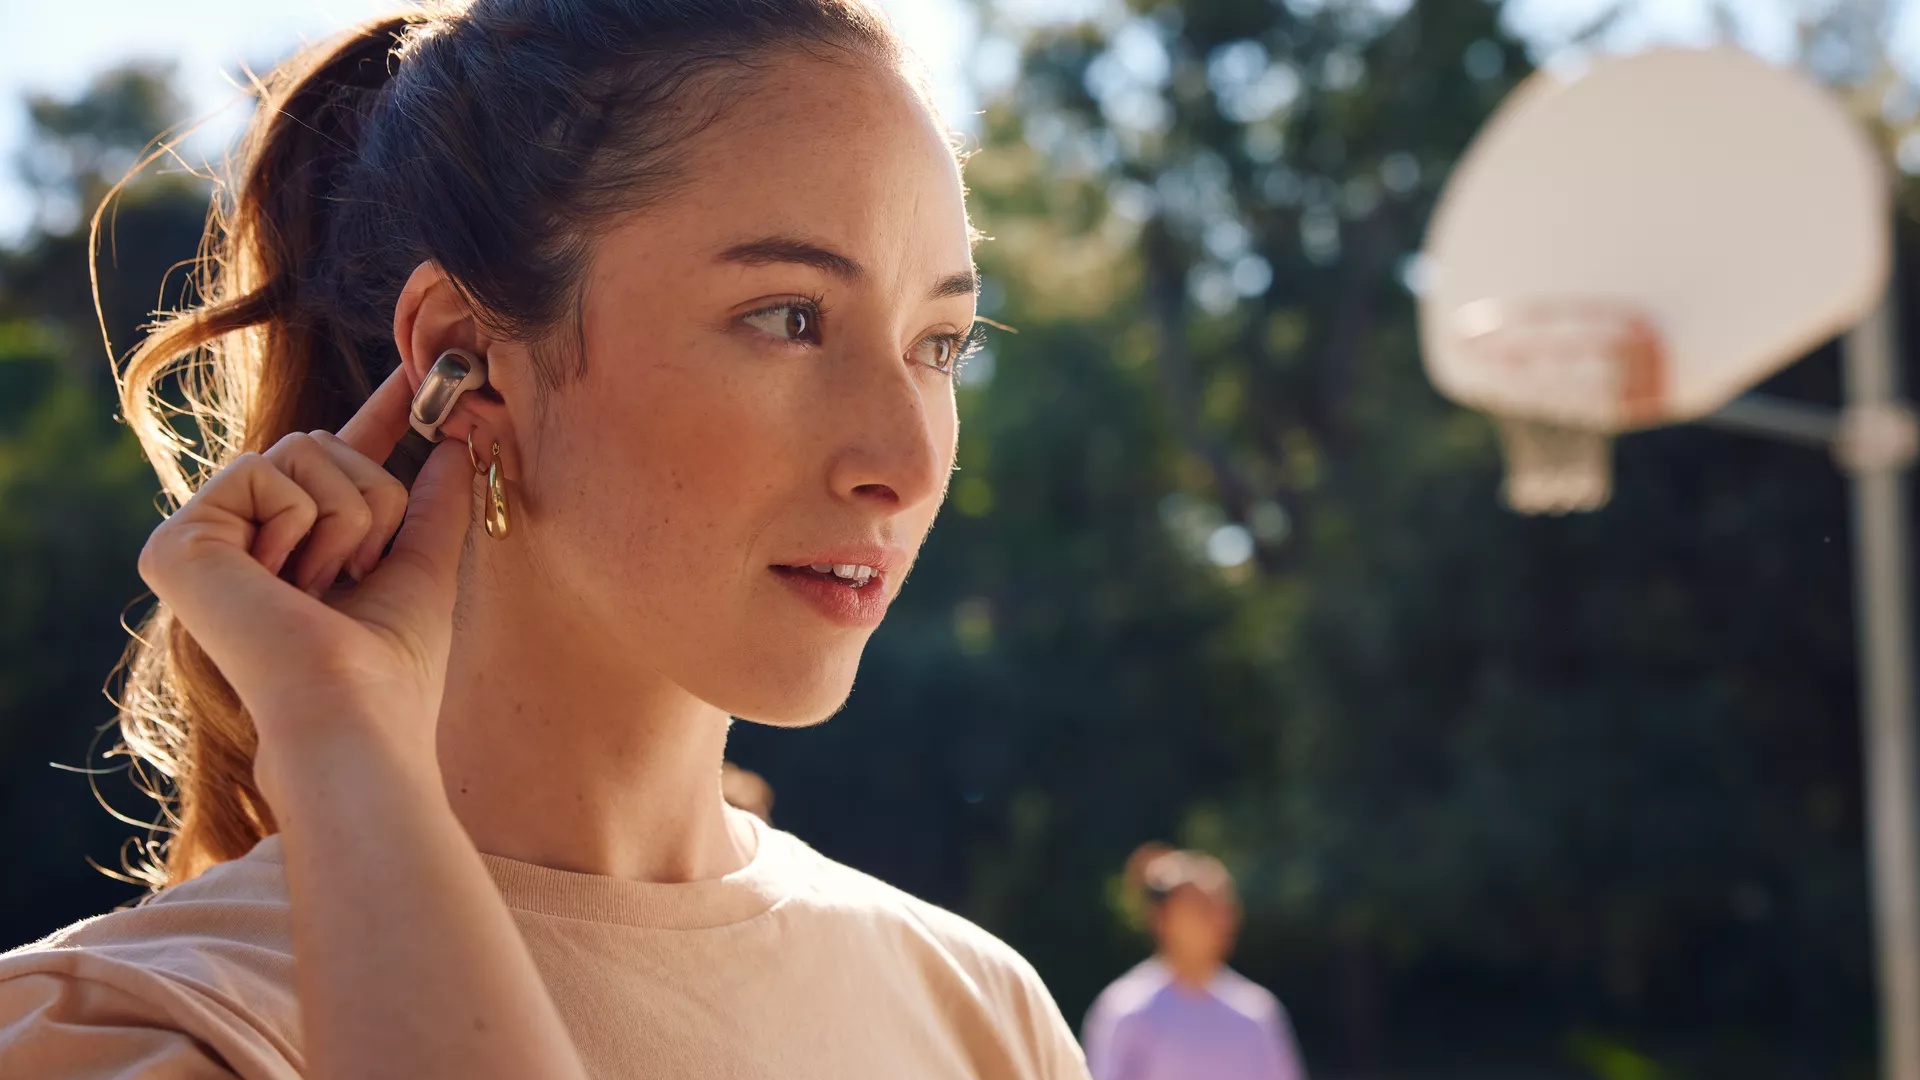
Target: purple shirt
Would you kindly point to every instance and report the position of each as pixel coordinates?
(1146, 1026)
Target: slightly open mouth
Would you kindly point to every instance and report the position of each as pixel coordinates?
(851, 577)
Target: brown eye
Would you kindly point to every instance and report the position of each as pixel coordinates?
(938, 351)
(946, 352)
(791, 322)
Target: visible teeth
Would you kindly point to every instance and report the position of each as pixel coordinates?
(851, 573)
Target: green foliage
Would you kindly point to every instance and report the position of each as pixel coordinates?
(86, 144)
(76, 501)
(75, 504)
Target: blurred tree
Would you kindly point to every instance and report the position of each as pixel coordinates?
(76, 498)
(83, 146)
(76, 152)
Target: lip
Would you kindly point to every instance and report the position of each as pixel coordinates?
(861, 608)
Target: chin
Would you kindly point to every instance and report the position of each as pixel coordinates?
(800, 699)
(797, 714)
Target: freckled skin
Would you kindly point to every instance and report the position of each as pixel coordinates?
(698, 450)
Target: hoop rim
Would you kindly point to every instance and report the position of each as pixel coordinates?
(1592, 362)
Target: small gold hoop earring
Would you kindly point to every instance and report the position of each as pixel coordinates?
(479, 467)
(498, 523)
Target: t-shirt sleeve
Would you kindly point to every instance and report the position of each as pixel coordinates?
(1096, 1035)
(54, 1027)
(1068, 1062)
(1060, 1057)
(60, 1025)
(1281, 1044)
(1120, 1055)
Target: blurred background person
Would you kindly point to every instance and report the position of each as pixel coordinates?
(1182, 1012)
(746, 790)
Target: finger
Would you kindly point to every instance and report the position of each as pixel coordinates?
(380, 424)
(212, 563)
(344, 518)
(412, 590)
(386, 496)
(252, 506)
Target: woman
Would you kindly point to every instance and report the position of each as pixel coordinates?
(449, 798)
(1182, 1012)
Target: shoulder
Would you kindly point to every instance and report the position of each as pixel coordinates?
(210, 959)
(1131, 993)
(1247, 997)
(225, 934)
(837, 890)
(942, 947)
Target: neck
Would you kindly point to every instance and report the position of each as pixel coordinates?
(1195, 973)
(559, 748)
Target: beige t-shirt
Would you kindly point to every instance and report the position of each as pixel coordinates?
(792, 967)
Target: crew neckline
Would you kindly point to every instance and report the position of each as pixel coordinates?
(691, 905)
(737, 897)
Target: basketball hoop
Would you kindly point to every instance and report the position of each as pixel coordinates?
(1560, 377)
(1588, 273)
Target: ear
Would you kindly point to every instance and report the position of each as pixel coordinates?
(431, 317)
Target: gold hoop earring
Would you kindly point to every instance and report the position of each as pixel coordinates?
(498, 523)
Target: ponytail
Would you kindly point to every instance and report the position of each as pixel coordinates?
(253, 362)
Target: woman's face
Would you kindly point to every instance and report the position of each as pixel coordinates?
(766, 390)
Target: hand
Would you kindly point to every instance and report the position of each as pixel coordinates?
(248, 567)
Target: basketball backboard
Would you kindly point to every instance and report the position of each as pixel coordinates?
(1639, 244)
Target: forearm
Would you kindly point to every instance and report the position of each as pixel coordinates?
(408, 962)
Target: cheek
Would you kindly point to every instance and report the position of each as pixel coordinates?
(672, 458)
(947, 427)
(943, 428)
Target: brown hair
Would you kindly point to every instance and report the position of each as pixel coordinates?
(488, 137)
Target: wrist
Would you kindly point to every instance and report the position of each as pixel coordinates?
(340, 764)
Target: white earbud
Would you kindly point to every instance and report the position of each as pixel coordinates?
(453, 373)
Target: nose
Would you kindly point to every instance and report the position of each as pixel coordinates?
(886, 433)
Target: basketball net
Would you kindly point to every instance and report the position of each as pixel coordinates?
(1554, 469)
(1560, 378)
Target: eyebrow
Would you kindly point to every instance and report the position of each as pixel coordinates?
(787, 249)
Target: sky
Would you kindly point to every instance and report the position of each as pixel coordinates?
(54, 47)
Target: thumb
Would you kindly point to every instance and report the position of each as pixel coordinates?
(413, 587)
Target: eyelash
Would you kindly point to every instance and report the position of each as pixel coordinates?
(960, 345)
